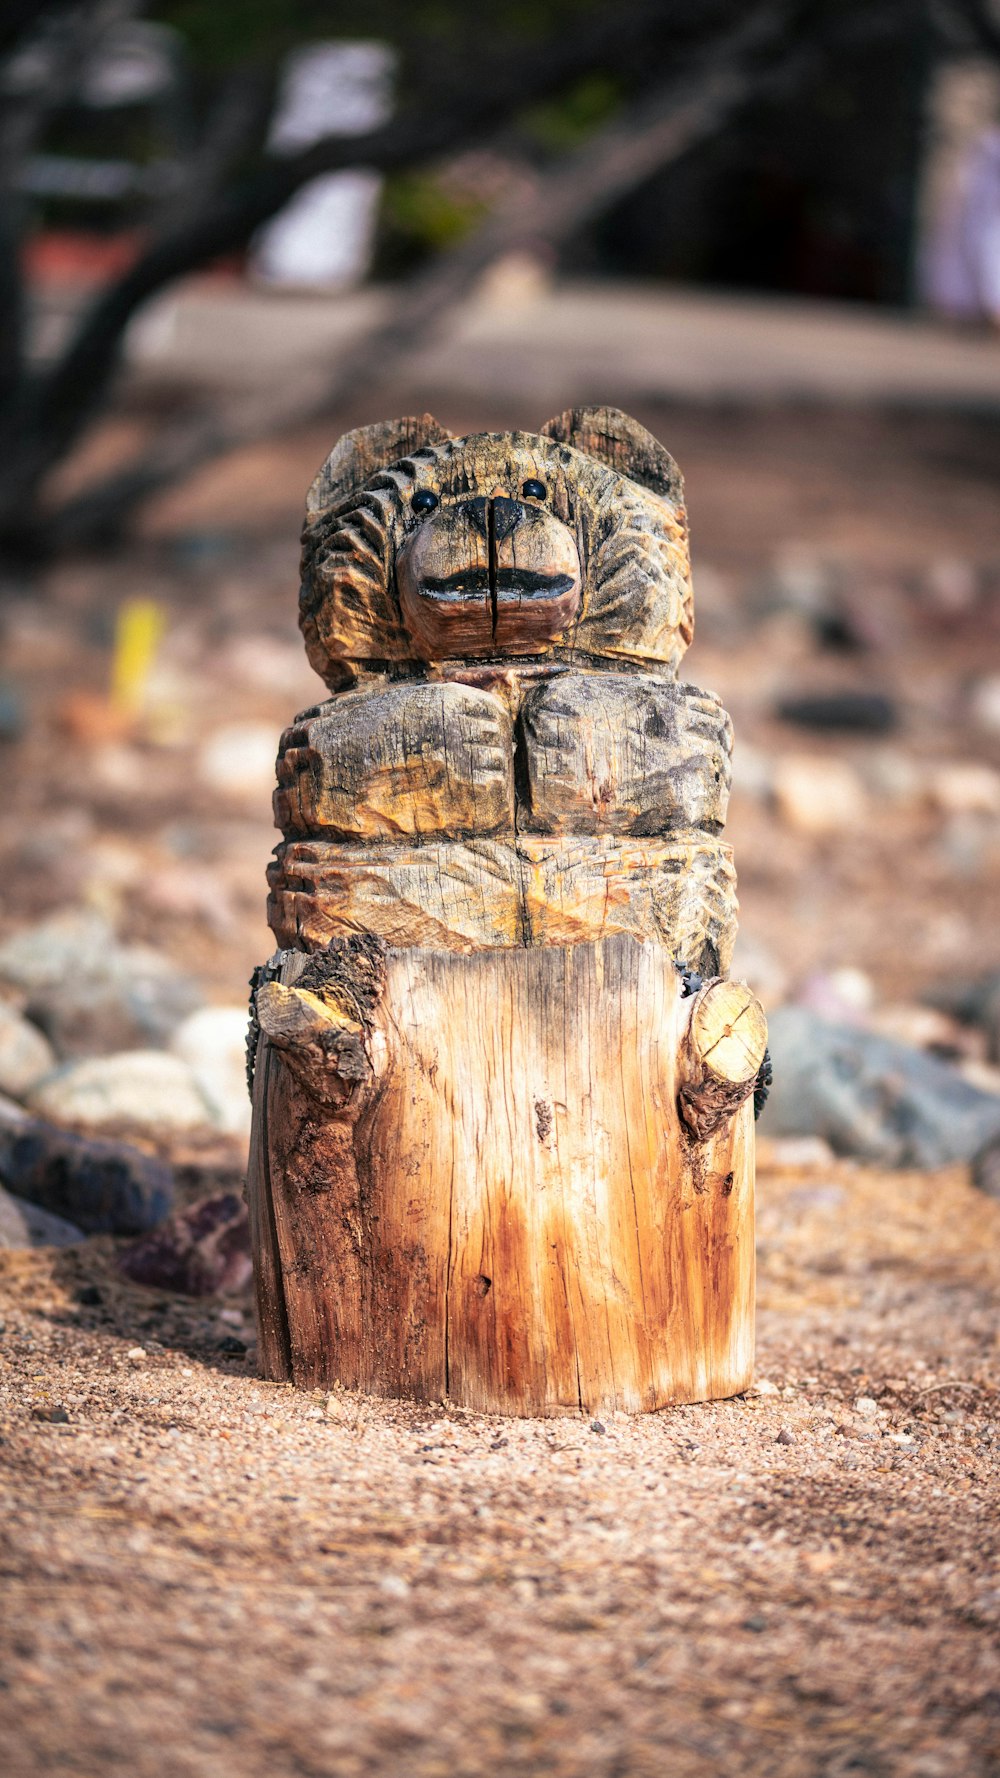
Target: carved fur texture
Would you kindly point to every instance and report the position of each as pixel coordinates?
(508, 757)
(612, 487)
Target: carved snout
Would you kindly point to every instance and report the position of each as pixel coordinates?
(488, 573)
(721, 1052)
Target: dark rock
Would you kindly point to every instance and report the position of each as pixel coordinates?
(12, 713)
(857, 712)
(55, 1415)
(103, 1187)
(986, 1169)
(975, 1000)
(89, 1296)
(872, 1097)
(597, 1426)
(199, 1252)
(26, 1225)
(785, 1437)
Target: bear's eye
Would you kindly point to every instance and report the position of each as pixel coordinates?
(424, 501)
(534, 490)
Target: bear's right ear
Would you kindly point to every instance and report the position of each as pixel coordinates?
(618, 440)
(359, 454)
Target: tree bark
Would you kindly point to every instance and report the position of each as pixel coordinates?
(499, 1202)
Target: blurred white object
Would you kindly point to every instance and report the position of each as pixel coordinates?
(818, 795)
(984, 703)
(323, 236)
(966, 787)
(960, 264)
(213, 1042)
(238, 760)
(959, 198)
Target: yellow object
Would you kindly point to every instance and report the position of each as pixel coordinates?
(138, 632)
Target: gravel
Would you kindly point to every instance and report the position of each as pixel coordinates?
(206, 1574)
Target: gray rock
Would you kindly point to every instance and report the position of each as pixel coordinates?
(25, 1054)
(213, 1043)
(203, 1250)
(101, 1187)
(39, 957)
(90, 994)
(871, 1097)
(973, 999)
(26, 1225)
(144, 1089)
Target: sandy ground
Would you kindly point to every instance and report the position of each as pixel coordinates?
(211, 1577)
(205, 1574)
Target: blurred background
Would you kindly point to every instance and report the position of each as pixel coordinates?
(233, 229)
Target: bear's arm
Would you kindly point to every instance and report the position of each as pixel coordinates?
(402, 762)
(623, 754)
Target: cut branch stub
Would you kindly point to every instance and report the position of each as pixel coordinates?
(723, 1050)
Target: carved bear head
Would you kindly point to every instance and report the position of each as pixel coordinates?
(571, 542)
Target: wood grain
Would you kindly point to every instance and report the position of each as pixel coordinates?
(609, 753)
(538, 889)
(399, 762)
(726, 1043)
(511, 1214)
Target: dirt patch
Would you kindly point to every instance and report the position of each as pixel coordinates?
(207, 1574)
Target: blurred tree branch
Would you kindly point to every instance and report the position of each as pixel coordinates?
(48, 409)
(713, 69)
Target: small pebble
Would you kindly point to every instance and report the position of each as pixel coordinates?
(817, 796)
(866, 1407)
(597, 1426)
(136, 1355)
(55, 1415)
(785, 1437)
(394, 1585)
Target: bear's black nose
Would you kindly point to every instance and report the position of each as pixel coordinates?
(507, 515)
(502, 514)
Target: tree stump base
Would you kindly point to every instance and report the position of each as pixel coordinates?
(520, 1180)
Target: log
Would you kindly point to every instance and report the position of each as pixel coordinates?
(502, 1146)
(506, 1209)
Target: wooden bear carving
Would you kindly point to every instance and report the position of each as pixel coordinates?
(503, 1134)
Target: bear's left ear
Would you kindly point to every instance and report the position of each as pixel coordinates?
(614, 438)
(357, 456)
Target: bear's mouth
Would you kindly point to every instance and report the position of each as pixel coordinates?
(489, 576)
(507, 585)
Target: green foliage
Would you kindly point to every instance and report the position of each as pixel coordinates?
(562, 124)
(419, 208)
